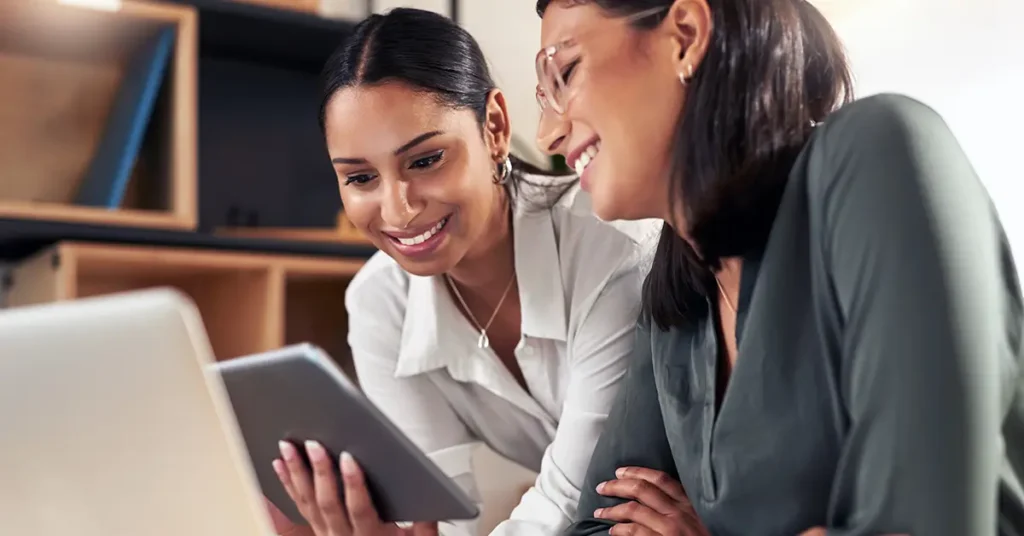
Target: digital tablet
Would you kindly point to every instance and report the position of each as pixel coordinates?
(298, 393)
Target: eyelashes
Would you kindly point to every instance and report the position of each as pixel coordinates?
(567, 72)
(427, 162)
(420, 164)
(358, 179)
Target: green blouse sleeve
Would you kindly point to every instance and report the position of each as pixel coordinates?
(920, 274)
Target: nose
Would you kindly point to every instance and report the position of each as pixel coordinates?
(398, 209)
(552, 131)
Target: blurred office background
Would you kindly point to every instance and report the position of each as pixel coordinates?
(221, 178)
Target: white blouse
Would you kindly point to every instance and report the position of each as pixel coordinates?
(417, 357)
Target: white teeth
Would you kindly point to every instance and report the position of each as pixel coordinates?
(586, 156)
(419, 239)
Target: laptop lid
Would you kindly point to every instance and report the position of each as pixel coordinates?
(112, 424)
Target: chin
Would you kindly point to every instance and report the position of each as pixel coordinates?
(426, 266)
(606, 211)
(421, 269)
(615, 198)
(611, 207)
(605, 204)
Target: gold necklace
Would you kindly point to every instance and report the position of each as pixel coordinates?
(725, 297)
(483, 341)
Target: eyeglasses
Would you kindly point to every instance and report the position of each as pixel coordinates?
(552, 71)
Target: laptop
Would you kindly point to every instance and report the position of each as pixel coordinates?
(113, 423)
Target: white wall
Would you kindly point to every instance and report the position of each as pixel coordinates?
(509, 34)
(965, 58)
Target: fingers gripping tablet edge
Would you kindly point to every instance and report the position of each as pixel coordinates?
(298, 393)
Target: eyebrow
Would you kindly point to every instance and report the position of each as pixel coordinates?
(404, 148)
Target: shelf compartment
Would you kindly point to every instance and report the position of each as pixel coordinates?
(235, 293)
(314, 307)
(248, 302)
(63, 66)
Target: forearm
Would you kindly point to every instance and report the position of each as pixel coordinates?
(634, 435)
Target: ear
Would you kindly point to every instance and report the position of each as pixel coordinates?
(689, 24)
(497, 128)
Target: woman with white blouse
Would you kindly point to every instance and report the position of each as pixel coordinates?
(498, 309)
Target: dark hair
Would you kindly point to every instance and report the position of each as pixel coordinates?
(773, 69)
(426, 51)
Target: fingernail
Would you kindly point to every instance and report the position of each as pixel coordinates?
(348, 464)
(600, 487)
(620, 472)
(597, 513)
(287, 451)
(315, 451)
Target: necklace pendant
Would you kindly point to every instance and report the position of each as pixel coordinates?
(483, 342)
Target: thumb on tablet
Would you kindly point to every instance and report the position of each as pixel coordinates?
(282, 525)
(424, 528)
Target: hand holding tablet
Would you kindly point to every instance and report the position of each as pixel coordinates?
(298, 413)
(318, 498)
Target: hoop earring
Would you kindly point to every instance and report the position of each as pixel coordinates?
(684, 78)
(503, 171)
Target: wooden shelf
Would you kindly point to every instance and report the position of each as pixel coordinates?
(249, 302)
(65, 62)
(62, 68)
(20, 238)
(24, 210)
(313, 236)
(303, 6)
(343, 233)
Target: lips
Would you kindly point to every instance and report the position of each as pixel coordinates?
(423, 242)
(422, 237)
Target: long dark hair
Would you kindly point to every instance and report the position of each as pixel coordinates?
(772, 70)
(429, 52)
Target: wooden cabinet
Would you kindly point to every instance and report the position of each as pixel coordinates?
(201, 194)
(249, 302)
(62, 69)
(205, 197)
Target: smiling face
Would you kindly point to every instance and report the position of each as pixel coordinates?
(623, 98)
(415, 175)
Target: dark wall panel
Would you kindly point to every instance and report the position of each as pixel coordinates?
(262, 159)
